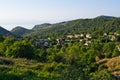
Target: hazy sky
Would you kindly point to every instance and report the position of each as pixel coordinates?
(27, 13)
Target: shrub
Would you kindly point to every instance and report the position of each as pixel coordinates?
(21, 49)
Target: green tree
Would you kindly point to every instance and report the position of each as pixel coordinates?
(108, 49)
(73, 54)
(41, 53)
(116, 52)
(21, 49)
(1, 38)
(9, 41)
(96, 48)
(90, 56)
(102, 75)
(2, 48)
(5, 44)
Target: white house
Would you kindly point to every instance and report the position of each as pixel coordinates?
(88, 36)
(70, 36)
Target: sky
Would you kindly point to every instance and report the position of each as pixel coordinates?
(27, 13)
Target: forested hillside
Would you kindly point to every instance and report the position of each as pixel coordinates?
(83, 49)
(98, 25)
(19, 31)
(4, 31)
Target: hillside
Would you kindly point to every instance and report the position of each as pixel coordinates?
(22, 69)
(40, 26)
(106, 17)
(4, 31)
(84, 56)
(112, 64)
(19, 31)
(100, 24)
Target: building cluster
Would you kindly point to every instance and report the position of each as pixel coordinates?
(85, 38)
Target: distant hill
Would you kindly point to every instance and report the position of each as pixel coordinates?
(19, 31)
(36, 27)
(99, 24)
(4, 31)
(106, 17)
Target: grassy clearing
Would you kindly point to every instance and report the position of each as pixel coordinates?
(112, 64)
(23, 69)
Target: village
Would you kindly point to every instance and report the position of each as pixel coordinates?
(84, 38)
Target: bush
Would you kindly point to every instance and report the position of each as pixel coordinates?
(102, 75)
(5, 76)
(21, 49)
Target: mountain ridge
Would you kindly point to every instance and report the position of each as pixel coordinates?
(41, 26)
(4, 32)
(19, 31)
(88, 25)
(92, 25)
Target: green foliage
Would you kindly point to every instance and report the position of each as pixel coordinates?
(96, 48)
(72, 74)
(41, 55)
(73, 54)
(5, 44)
(21, 49)
(19, 31)
(1, 38)
(108, 49)
(102, 75)
(2, 48)
(96, 26)
(9, 41)
(68, 60)
(116, 52)
(5, 76)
